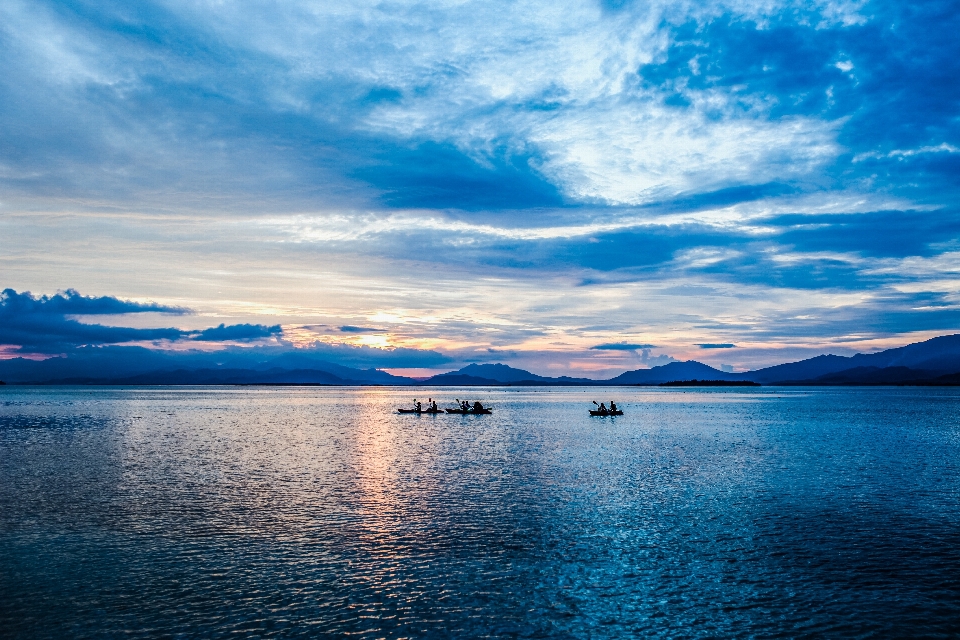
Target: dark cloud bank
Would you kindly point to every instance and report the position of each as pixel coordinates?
(48, 324)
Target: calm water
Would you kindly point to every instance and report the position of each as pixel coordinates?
(287, 512)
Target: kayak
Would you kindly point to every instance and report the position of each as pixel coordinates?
(597, 412)
(431, 411)
(464, 412)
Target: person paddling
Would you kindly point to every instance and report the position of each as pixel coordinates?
(613, 406)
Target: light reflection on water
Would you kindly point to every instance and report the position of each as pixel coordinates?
(150, 512)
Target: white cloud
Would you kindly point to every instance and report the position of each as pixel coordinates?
(633, 156)
(943, 147)
(595, 133)
(655, 361)
(557, 81)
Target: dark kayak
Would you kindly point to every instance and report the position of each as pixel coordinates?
(431, 411)
(605, 412)
(465, 412)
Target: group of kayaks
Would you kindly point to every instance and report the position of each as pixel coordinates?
(476, 408)
(463, 408)
(470, 411)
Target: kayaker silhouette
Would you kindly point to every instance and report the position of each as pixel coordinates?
(602, 407)
(477, 406)
(613, 406)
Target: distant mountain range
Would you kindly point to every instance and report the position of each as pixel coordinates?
(932, 362)
(136, 365)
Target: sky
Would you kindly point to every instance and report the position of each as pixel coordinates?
(575, 188)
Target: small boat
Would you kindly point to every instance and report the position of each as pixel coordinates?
(430, 411)
(606, 412)
(467, 412)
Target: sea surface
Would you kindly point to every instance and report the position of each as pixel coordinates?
(299, 512)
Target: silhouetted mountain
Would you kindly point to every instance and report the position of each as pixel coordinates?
(951, 379)
(803, 370)
(868, 376)
(294, 361)
(136, 365)
(89, 363)
(221, 376)
(500, 374)
(236, 376)
(929, 359)
(689, 370)
(936, 354)
(459, 380)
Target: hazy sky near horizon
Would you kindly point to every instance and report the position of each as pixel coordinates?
(571, 187)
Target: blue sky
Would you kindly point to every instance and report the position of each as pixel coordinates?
(519, 182)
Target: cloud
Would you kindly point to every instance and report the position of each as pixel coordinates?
(712, 345)
(349, 328)
(472, 106)
(46, 324)
(435, 175)
(622, 346)
(943, 147)
(655, 361)
(236, 332)
(71, 303)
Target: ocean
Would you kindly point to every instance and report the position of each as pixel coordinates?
(149, 512)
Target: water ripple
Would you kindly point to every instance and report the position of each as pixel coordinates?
(294, 512)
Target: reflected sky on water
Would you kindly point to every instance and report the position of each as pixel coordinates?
(147, 512)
